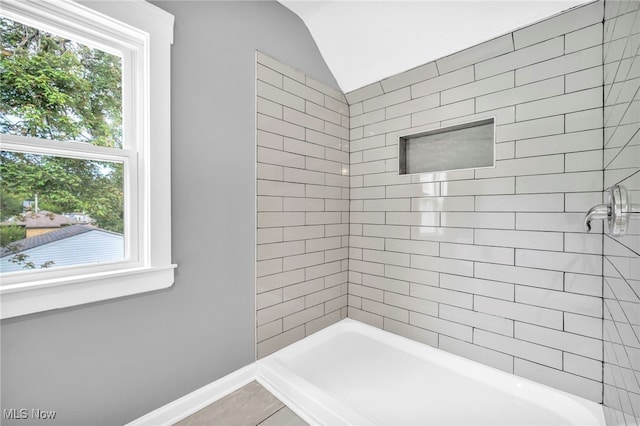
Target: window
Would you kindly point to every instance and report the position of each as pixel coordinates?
(463, 146)
(85, 106)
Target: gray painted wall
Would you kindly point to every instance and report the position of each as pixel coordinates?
(108, 363)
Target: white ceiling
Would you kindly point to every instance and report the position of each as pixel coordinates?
(364, 41)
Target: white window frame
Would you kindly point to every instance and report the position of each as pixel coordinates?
(143, 34)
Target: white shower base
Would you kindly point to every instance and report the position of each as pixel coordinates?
(354, 374)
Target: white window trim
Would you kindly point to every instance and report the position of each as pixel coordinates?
(150, 31)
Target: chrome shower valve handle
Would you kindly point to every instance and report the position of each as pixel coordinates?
(616, 212)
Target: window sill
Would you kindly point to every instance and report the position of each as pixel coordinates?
(45, 295)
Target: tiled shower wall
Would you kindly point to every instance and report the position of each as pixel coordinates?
(491, 264)
(622, 255)
(302, 205)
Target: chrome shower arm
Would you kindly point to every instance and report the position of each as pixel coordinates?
(599, 212)
(617, 212)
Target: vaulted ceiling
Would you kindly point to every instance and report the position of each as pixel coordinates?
(365, 41)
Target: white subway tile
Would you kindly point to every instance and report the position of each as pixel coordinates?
(302, 119)
(366, 268)
(302, 261)
(366, 92)
(319, 191)
(386, 257)
(477, 253)
(583, 38)
(269, 235)
(389, 178)
(336, 205)
(411, 274)
(568, 342)
(478, 220)
(386, 284)
(367, 143)
(478, 87)
(566, 182)
(295, 291)
(368, 118)
(281, 310)
(566, 302)
(368, 217)
(518, 311)
(442, 82)
(321, 87)
(439, 264)
(583, 325)
(554, 222)
(518, 348)
(520, 239)
(582, 202)
(524, 166)
(570, 262)
(337, 131)
(396, 204)
(413, 218)
(303, 176)
(273, 250)
(445, 112)
(280, 67)
(269, 76)
(529, 129)
(427, 248)
(583, 243)
(415, 105)
(267, 107)
(269, 140)
(388, 231)
(518, 275)
(518, 203)
(442, 296)
(383, 153)
(413, 190)
(441, 326)
(477, 353)
(322, 218)
(367, 168)
(365, 317)
(270, 172)
(303, 232)
(323, 139)
(280, 158)
(584, 120)
(567, 382)
(585, 79)
(432, 233)
(321, 244)
(280, 127)
(577, 101)
(521, 58)
(477, 320)
(487, 288)
(431, 204)
(366, 292)
(521, 94)
(303, 148)
(560, 24)
(279, 96)
(411, 332)
(269, 330)
(302, 317)
(275, 219)
(569, 142)
(386, 126)
(489, 49)
(504, 185)
(268, 267)
(323, 165)
(441, 176)
(387, 311)
(585, 367)
(322, 270)
(388, 99)
(414, 75)
(559, 66)
(335, 106)
(303, 91)
(367, 193)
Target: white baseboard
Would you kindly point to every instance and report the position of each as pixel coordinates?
(195, 401)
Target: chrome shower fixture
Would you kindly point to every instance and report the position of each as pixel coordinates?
(616, 211)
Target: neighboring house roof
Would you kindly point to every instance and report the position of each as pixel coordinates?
(42, 219)
(70, 245)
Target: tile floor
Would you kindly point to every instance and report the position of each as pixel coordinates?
(250, 405)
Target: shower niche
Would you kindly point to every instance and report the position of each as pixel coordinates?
(462, 146)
